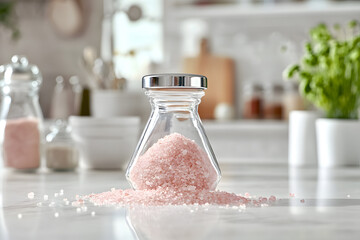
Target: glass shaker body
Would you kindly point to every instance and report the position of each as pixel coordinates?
(174, 142)
(21, 120)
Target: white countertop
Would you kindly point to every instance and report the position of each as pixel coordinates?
(330, 210)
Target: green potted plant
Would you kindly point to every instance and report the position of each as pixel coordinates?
(329, 78)
(8, 18)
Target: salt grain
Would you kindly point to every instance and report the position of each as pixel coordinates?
(93, 214)
(31, 195)
(46, 197)
(56, 215)
(272, 198)
(19, 216)
(175, 164)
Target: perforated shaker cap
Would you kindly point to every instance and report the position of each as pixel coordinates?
(174, 81)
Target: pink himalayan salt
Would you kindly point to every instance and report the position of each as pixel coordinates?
(161, 197)
(22, 143)
(174, 162)
(174, 171)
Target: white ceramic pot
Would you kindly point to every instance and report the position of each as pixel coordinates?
(338, 142)
(302, 138)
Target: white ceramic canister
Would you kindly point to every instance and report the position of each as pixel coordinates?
(338, 142)
(302, 138)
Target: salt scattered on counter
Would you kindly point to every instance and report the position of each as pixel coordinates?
(161, 197)
(31, 195)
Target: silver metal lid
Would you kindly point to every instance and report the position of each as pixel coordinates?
(174, 81)
(20, 71)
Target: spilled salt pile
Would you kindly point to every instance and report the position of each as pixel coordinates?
(174, 162)
(160, 197)
(174, 171)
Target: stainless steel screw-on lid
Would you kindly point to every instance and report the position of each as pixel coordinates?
(174, 81)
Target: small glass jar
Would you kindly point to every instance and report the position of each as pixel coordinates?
(21, 117)
(273, 101)
(173, 151)
(292, 99)
(252, 101)
(60, 151)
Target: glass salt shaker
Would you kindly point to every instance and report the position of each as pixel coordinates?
(174, 151)
(60, 151)
(21, 118)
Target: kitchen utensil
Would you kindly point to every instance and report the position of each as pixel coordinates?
(220, 73)
(88, 58)
(66, 16)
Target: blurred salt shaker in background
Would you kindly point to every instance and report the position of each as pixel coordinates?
(75, 96)
(60, 108)
(21, 119)
(61, 153)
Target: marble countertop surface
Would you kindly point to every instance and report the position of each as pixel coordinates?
(312, 204)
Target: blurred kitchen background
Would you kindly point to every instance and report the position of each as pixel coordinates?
(243, 46)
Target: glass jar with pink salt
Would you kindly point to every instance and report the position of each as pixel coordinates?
(20, 116)
(174, 153)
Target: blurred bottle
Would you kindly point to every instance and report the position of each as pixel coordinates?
(253, 101)
(292, 99)
(273, 101)
(75, 95)
(59, 105)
